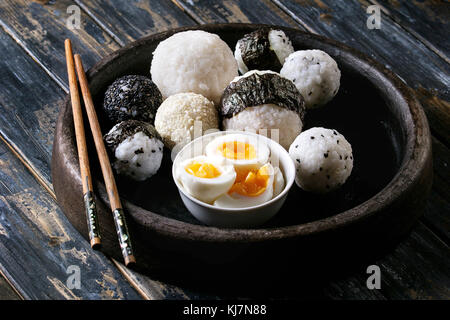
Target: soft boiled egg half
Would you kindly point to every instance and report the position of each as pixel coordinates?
(205, 178)
(251, 188)
(244, 152)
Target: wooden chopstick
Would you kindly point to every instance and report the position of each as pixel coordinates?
(85, 172)
(108, 176)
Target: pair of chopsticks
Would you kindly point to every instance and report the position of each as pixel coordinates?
(108, 176)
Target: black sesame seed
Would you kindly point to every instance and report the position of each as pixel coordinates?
(322, 136)
(312, 138)
(310, 93)
(138, 151)
(351, 158)
(138, 164)
(325, 155)
(153, 150)
(340, 157)
(320, 168)
(296, 146)
(334, 132)
(346, 157)
(298, 160)
(338, 142)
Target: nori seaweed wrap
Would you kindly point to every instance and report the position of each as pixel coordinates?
(263, 49)
(132, 97)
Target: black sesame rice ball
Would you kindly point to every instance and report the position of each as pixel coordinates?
(132, 97)
(135, 149)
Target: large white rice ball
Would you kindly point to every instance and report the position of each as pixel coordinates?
(323, 159)
(177, 116)
(278, 123)
(315, 74)
(193, 61)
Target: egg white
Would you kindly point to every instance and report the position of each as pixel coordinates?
(278, 182)
(261, 149)
(236, 200)
(206, 189)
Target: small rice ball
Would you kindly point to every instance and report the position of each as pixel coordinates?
(132, 97)
(178, 114)
(323, 159)
(263, 49)
(193, 61)
(136, 149)
(315, 74)
(267, 116)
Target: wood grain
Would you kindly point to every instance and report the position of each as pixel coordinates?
(41, 30)
(129, 20)
(262, 11)
(37, 244)
(6, 291)
(427, 20)
(416, 64)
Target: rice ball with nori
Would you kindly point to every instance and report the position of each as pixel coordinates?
(263, 49)
(132, 97)
(260, 101)
(193, 61)
(177, 116)
(315, 74)
(323, 159)
(136, 149)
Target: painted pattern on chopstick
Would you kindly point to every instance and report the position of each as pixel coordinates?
(91, 214)
(122, 232)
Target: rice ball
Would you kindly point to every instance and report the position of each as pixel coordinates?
(193, 61)
(132, 97)
(315, 74)
(176, 118)
(263, 102)
(323, 159)
(135, 148)
(263, 49)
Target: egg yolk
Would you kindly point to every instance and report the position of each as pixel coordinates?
(237, 150)
(202, 170)
(251, 183)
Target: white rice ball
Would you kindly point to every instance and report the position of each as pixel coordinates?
(323, 159)
(315, 74)
(177, 115)
(261, 119)
(137, 149)
(278, 43)
(193, 61)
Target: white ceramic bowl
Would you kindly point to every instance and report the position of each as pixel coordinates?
(235, 217)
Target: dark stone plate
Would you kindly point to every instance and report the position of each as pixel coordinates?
(379, 203)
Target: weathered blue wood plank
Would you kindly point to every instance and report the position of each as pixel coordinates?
(126, 21)
(38, 244)
(428, 20)
(262, 11)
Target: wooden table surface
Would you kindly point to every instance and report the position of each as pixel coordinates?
(37, 243)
